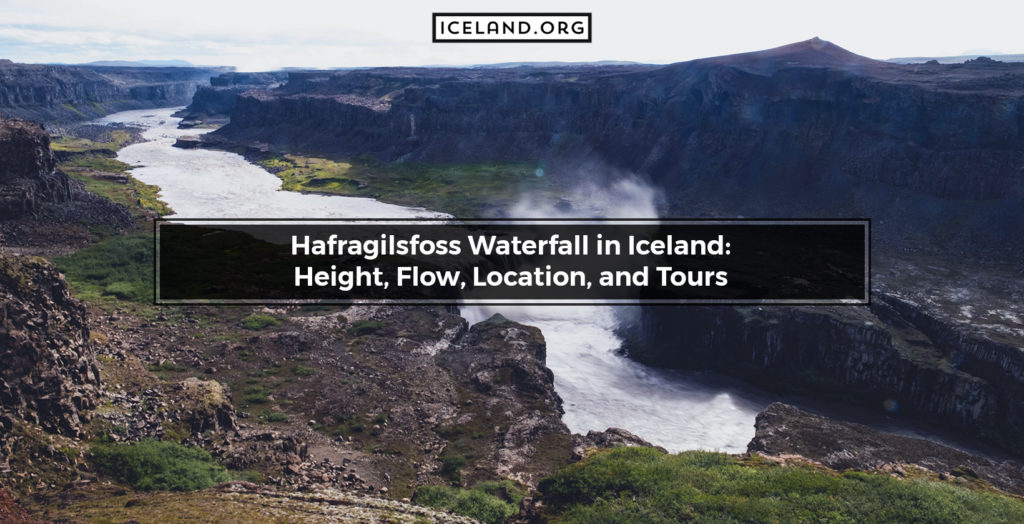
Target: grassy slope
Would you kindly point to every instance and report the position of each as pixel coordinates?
(96, 172)
(646, 485)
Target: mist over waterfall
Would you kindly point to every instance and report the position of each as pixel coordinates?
(602, 388)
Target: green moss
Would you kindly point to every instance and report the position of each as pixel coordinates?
(451, 467)
(303, 371)
(643, 484)
(273, 416)
(73, 109)
(118, 138)
(258, 321)
(364, 327)
(150, 465)
(255, 395)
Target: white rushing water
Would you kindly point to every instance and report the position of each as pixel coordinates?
(600, 388)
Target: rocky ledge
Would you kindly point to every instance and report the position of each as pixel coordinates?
(784, 431)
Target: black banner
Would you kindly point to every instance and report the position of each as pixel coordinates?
(512, 261)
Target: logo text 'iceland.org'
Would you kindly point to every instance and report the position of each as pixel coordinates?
(511, 27)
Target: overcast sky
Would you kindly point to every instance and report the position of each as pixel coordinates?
(256, 35)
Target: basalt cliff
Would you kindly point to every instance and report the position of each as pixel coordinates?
(42, 210)
(213, 104)
(56, 93)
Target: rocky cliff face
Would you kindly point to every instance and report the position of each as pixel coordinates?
(213, 104)
(70, 93)
(28, 175)
(932, 152)
(41, 209)
(49, 375)
(915, 353)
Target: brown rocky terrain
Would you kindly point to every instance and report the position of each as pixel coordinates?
(370, 398)
(28, 175)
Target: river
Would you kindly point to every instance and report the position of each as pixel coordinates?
(599, 387)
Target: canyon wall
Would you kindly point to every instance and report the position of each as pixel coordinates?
(56, 93)
(894, 355)
(213, 104)
(932, 152)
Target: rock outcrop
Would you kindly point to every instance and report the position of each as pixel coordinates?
(28, 174)
(52, 93)
(42, 211)
(49, 375)
(609, 438)
(503, 362)
(786, 431)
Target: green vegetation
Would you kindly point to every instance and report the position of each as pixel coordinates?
(273, 416)
(108, 178)
(151, 465)
(364, 327)
(119, 267)
(255, 395)
(258, 321)
(118, 138)
(646, 485)
(451, 467)
(303, 371)
(489, 502)
(464, 190)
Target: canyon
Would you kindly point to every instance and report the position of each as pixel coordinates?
(68, 93)
(382, 400)
(931, 153)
